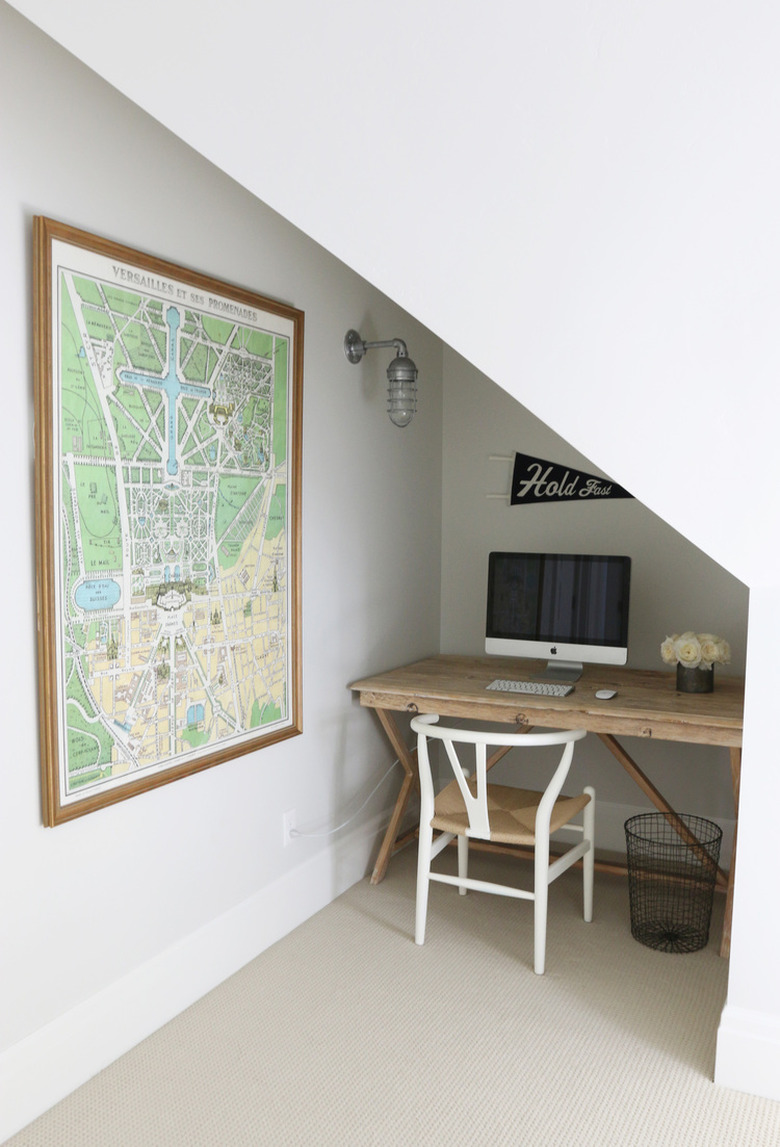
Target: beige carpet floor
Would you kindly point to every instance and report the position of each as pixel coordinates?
(346, 1033)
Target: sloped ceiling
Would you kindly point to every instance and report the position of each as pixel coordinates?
(581, 198)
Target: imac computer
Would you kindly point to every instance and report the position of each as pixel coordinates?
(568, 608)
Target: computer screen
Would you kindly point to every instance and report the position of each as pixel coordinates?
(568, 608)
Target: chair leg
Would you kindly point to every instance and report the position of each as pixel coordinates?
(423, 868)
(463, 861)
(540, 930)
(541, 886)
(588, 861)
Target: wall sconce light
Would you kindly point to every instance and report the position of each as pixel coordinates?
(401, 375)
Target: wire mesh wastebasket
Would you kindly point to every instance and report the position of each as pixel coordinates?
(672, 869)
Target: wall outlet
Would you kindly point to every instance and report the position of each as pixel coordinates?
(288, 826)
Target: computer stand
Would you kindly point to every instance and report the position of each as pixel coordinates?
(567, 671)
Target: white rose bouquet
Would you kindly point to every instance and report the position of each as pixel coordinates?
(695, 650)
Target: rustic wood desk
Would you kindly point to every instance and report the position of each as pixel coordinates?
(647, 705)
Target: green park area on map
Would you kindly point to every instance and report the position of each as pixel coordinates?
(173, 568)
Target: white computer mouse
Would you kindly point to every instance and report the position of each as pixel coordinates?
(606, 694)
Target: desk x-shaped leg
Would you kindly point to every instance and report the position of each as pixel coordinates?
(392, 842)
(648, 788)
(736, 768)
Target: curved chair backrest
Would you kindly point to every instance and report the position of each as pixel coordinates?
(426, 726)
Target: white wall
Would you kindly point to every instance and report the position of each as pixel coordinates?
(674, 586)
(115, 921)
(582, 200)
(749, 1033)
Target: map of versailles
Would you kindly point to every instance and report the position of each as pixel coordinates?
(173, 575)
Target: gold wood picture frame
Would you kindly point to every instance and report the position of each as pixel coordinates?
(168, 520)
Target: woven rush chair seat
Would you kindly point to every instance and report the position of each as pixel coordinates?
(512, 812)
(470, 808)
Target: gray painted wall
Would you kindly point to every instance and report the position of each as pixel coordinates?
(88, 905)
(674, 585)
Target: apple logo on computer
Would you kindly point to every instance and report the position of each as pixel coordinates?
(554, 650)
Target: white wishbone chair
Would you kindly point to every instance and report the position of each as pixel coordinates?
(470, 807)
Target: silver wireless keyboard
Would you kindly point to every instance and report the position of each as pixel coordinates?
(540, 688)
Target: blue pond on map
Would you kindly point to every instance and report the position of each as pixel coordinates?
(102, 594)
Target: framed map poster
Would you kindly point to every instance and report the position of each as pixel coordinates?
(168, 505)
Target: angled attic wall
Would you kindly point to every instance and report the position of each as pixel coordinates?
(578, 199)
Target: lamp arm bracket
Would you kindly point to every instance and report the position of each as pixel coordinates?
(355, 347)
(399, 345)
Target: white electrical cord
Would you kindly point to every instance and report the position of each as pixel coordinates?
(331, 831)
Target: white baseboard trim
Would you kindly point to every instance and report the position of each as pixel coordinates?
(748, 1052)
(52, 1062)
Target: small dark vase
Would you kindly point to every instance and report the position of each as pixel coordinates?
(695, 680)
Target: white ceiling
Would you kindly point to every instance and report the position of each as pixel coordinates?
(580, 198)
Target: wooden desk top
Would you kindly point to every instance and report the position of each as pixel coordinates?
(647, 702)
